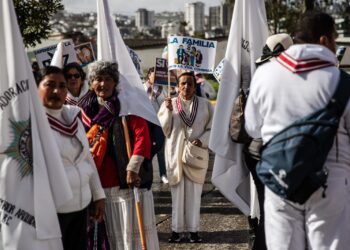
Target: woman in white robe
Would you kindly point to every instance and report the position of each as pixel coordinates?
(185, 116)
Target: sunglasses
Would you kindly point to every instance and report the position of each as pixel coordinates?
(76, 76)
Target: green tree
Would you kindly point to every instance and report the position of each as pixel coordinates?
(282, 15)
(34, 18)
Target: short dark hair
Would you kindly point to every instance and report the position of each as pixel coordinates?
(48, 70)
(76, 66)
(187, 73)
(312, 25)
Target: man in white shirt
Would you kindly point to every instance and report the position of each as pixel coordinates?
(301, 81)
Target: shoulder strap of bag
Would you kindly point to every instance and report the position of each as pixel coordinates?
(341, 95)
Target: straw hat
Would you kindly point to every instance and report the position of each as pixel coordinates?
(275, 44)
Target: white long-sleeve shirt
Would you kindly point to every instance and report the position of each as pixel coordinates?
(174, 131)
(77, 160)
(279, 97)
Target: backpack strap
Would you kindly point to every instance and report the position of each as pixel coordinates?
(341, 96)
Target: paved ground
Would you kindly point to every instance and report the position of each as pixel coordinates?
(222, 225)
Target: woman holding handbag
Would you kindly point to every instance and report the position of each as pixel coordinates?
(186, 122)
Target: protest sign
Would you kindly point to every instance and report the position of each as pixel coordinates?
(191, 54)
(218, 71)
(45, 55)
(161, 73)
(85, 53)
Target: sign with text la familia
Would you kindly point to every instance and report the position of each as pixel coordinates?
(44, 55)
(191, 54)
(161, 73)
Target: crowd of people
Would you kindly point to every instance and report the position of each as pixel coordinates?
(106, 155)
(82, 108)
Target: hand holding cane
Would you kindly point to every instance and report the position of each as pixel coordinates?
(136, 190)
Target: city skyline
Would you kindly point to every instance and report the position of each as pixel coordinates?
(119, 6)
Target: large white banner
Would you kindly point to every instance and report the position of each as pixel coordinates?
(32, 178)
(191, 54)
(45, 55)
(111, 47)
(247, 37)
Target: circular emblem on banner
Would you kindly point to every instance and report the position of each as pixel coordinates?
(20, 147)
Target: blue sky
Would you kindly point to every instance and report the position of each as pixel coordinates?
(128, 7)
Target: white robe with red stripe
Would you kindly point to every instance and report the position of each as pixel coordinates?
(174, 130)
(80, 168)
(298, 83)
(75, 100)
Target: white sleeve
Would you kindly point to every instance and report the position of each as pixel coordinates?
(252, 115)
(165, 117)
(95, 183)
(204, 138)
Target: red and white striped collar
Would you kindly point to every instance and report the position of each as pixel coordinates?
(76, 101)
(86, 120)
(57, 125)
(302, 65)
(187, 120)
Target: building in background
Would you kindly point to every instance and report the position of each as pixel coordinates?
(194, 16)
(226, 11)
(214, 17)
(144, 19)
(169, 29)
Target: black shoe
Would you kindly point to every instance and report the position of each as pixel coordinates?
(174, 238)
(195, 238)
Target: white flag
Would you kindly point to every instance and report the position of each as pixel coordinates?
(65, 49)
(111, 47)
(246, 39)
(32, 179)
(57, 59)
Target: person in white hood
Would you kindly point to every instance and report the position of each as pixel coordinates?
(301, 81)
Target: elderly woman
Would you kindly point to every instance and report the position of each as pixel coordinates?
(117, 172)
(77, 89)
(80, 168)
(185, 118)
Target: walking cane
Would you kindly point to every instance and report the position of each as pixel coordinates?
(136, 190)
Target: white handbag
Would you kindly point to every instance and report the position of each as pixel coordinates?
(194, 156)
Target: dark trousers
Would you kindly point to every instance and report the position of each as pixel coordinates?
(259, 230)
(161, 162)
(74, 230)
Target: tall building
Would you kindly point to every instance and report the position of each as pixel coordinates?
(214, 17)
(226, 11)
(168, 29)
(144, 19)
(194, 16)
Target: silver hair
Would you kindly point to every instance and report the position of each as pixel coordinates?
(103, 68)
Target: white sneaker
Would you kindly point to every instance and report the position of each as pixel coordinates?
(164, 179)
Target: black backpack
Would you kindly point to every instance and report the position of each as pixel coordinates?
(292, 162)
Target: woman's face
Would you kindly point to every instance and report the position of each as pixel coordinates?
(52, 91)
(104, 86)
(74, 81)
(187, 86)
